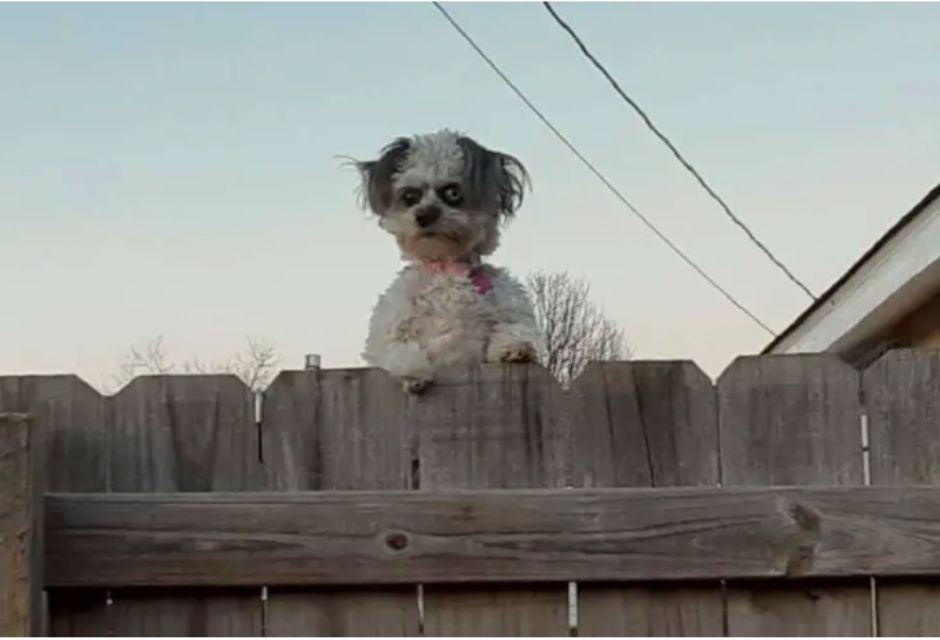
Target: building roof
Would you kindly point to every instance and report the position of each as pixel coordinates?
(898, 273)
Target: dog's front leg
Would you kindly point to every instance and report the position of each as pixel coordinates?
(515, 336)
(410, 363)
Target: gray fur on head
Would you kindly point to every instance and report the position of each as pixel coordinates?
(443, 194)
(490, 178)
(377, 175)
(498, 175)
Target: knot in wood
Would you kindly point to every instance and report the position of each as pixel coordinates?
(804, 517)
(396, 540)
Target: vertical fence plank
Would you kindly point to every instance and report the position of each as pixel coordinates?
(902, 401)
(73, 418)
(496, 427)
(646, 424)
(21, 526)
(339, 430)
(788, 420)
(185, 433)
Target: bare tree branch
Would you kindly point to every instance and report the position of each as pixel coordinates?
(256, 365)
(576, 331)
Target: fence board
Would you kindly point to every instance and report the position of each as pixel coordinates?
(793, 420)
(651, 611)
(73, 417)
(494, 427)
(372, 538)
(902, 400)
(339, 429)
(74, 420)
(184, 433)
(21, 526)
(646, 424)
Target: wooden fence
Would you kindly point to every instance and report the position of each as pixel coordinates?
(336, 505)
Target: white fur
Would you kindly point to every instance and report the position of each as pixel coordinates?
(426, 321)
(433, 157)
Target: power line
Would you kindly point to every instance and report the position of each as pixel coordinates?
(587, 163)
(685, 163)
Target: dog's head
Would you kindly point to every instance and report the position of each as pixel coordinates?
(442, 195)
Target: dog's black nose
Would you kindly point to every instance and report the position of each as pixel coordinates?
(427, 216)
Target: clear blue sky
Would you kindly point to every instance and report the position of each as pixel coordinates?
(172, 169)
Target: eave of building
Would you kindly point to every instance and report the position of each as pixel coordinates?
(896, 275)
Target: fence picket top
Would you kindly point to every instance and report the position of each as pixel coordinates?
(184, 433)
(644, 424)
(902, 400)
(788, 420)
(74, 419)
(497, 427)
(337, 429)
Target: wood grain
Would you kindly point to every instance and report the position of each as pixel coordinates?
(902, 400)
(474, 536)
(21, 526)
(187, 613)
(651, 611)
(494, 611)
(793, 420)
(807, 610)
(74, 420)
(340, 430)
(184, 433)
(363, 612)
(493, 427)
(646, 424)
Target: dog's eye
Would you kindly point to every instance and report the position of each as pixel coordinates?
(451, 195)
(411, 196)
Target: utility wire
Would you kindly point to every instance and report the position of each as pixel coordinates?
(600, 176)
(685, 163)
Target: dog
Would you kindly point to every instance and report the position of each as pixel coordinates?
(443, 196)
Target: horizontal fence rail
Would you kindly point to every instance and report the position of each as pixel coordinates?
(354, 538)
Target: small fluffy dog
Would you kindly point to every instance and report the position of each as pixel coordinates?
(443, 197)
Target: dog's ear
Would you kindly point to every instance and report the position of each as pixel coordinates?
(513, 179)
(498, 177)
(377, 175)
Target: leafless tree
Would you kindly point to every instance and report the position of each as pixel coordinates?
(256, 364)
(575, 329)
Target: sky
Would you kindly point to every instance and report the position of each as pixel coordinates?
(175, 170)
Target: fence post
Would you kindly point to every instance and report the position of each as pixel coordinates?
(21, 526)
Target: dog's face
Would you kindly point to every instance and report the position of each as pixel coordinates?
(442, 195)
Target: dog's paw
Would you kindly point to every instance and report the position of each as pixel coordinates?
(415, 386)
(519, 353)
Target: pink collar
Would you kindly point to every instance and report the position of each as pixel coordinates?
(476, 274)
